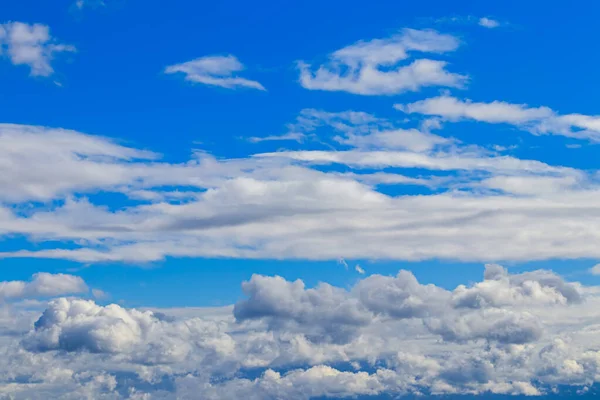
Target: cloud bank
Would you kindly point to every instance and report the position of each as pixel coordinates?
(385, 335)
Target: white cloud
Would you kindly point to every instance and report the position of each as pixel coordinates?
(80, 349)
(289, 204)
(500, 289)
(81, 325)
(469, 20)
(501, 326)
(537, 120)
(488, 22)
(43, 284)
(595, 270)
(31, 45)
(323, 313)
(215, 71)
(495, 112)
(371, 67)
(296, 137)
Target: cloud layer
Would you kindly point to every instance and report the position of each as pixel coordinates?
(295, 203)
(507, 334)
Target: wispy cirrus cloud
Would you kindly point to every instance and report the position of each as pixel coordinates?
(215, 71)
(537, 120)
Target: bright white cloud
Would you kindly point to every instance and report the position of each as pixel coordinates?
(215, 71)
(287, 205)
(31, 45)
(409, 340)
(42, 285)
(537, 120)
(371, 67)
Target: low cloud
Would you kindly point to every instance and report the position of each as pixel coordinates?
(407, 338)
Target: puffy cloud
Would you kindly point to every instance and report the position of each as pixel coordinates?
(464, 314)
(318, 381)
(504, 327)
(77, 346)
(42, 284)
(401, 296)
(31, 45)
(371, 67)
(531, 288)
(325, 312)
(81, 325)
(214, 71)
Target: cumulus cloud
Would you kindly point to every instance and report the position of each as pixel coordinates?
(466, 313)
(371, 67)
(530, 288)
(42, 284)
(491, 325)
(214, 71)
(31, 45)
(270, 350)
(401, 296)
(323, 313)
(81, 325)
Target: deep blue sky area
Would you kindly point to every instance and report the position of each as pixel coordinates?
(114, 86)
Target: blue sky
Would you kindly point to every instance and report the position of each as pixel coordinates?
(258, 173)
(114, 86)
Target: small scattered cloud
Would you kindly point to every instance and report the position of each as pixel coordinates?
(215, 71)
(343, 262)
(595, 270)
(488, 22)
(359, 269)
(31, 45)
(290, 136)
(485, 22)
